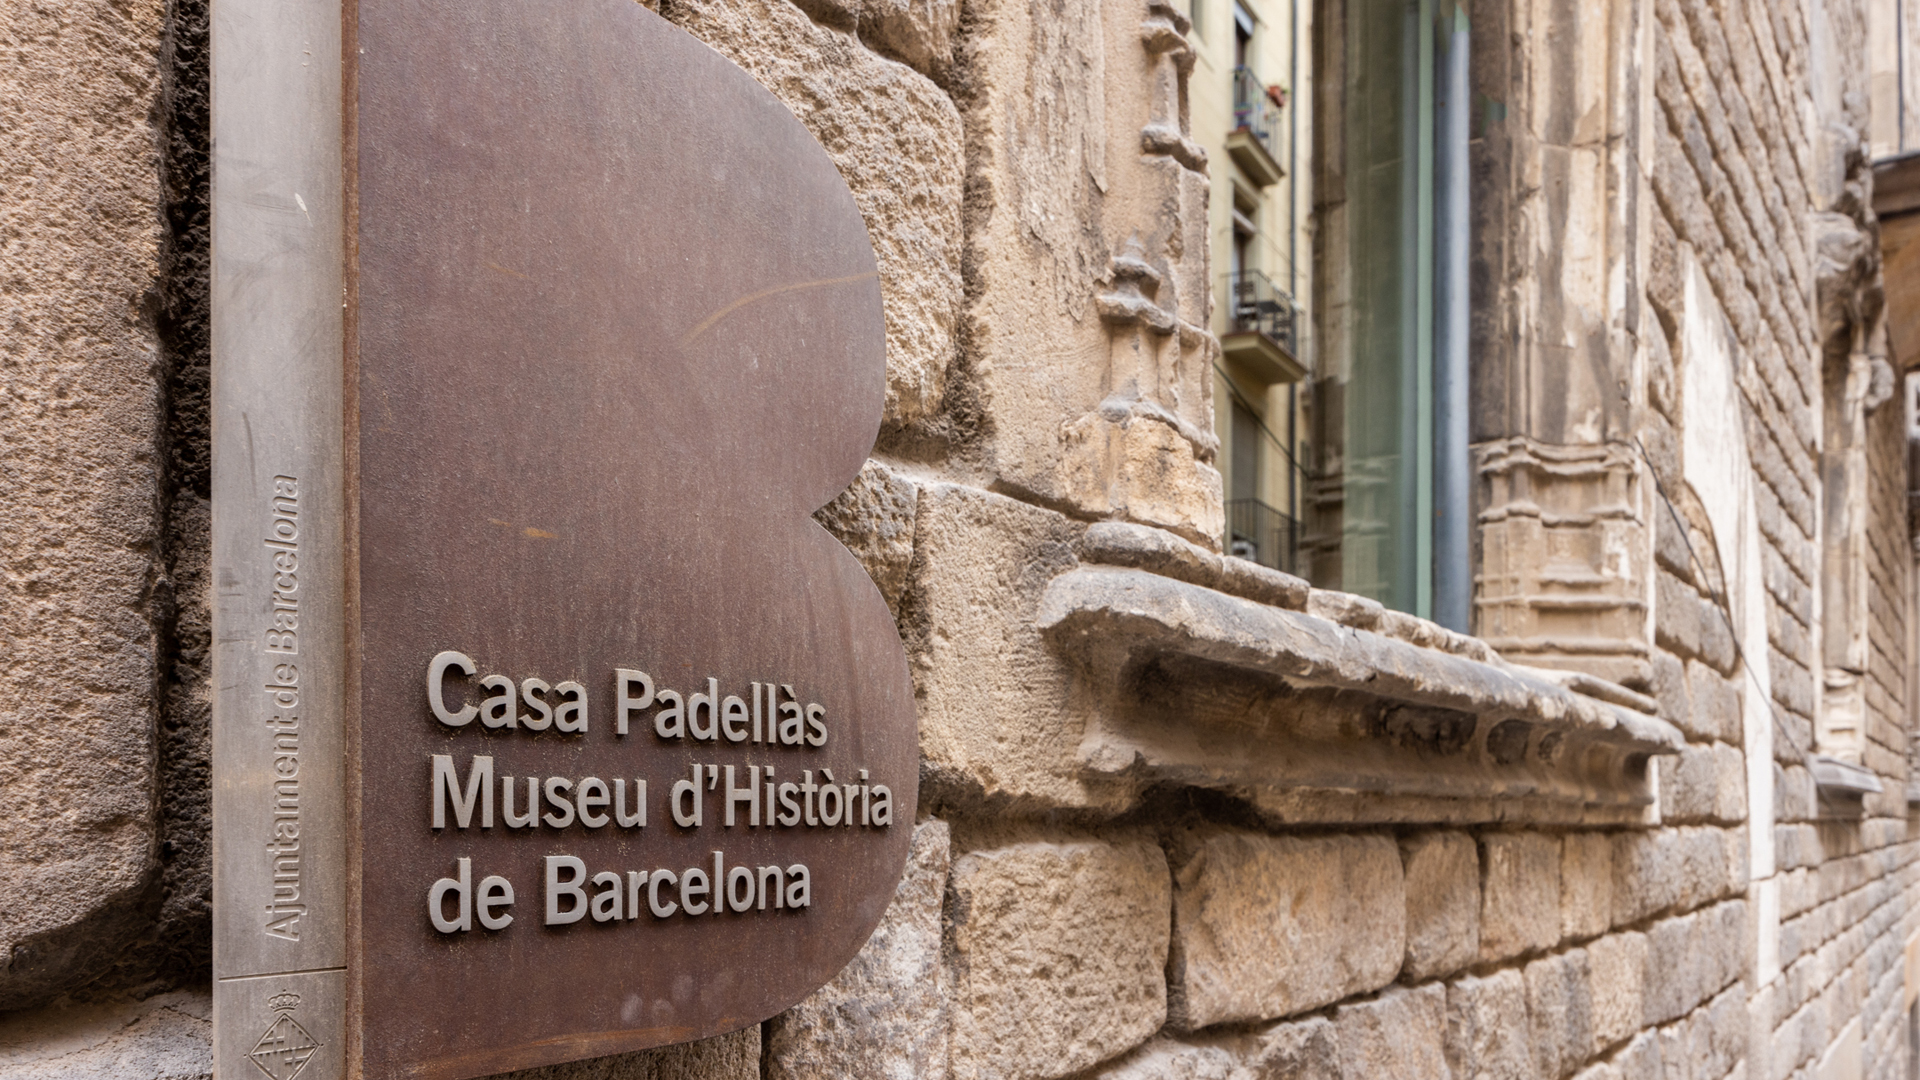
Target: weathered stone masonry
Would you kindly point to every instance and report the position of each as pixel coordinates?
(1181, 816)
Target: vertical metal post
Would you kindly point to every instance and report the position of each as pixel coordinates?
(280, 884)
(1412, 588)
(1452, 467)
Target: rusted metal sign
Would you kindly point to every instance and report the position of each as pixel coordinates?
(631, 747)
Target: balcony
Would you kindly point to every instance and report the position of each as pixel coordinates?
(1262, 328)
(1254, 143)
(1258, 533)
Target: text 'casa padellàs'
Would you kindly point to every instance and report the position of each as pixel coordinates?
(482, 792)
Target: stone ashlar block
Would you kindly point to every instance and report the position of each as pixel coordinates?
(896, 138)
(1560, 1013)
(886, 1014)
(994, 716)
(1487, 1031)
(1670, 543)
(1717, 704)
(1297, 1050)
(1060, 955)
(1678, 626)
(1666, 869)
(1795, 796)
(85, 200)
(1704, 783)
(1711, 1040)
(919, 32)
(1401, 1034)
(1668, 686)
(168, 1035)
(1586, 884)
(1269, 926)
(1618, 964)
(1797, 845)
(874, 519)
(1691, 958)
(1641, 1059)
(1520, 899)
(1443, 903)
(1163, 1059)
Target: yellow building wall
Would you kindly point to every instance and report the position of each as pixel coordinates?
(1282, 243)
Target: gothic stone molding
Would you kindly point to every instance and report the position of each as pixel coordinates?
(1563, 559)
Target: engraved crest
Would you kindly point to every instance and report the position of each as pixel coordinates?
(285, 1048)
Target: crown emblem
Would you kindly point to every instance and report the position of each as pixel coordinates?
(285, 1048)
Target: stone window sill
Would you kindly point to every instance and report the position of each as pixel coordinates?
(1842, 786)
(1209, 671)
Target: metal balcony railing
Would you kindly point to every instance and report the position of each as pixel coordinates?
(1259, 533)
(1255, 112)
(1256, 304)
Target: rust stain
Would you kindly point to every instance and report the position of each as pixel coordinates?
(541, 534)
(504, 270)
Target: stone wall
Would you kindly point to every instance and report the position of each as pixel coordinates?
(1181, 816)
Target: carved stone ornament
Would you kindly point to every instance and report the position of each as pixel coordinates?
(630, 739)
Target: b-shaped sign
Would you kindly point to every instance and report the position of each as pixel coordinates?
(549, 724)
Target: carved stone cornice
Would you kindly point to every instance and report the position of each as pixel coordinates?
(1190, 685)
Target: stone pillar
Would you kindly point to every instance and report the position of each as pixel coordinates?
(1092, 238)
(1561, 198)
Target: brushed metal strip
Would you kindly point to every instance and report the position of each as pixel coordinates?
(279, 797)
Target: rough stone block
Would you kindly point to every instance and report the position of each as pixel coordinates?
(1139, 470)
(1488, 1037)
(86, 591)
(1711, 1040)
(1797, 845)
(1666, 869)
(1443, 903)
(1669, 688)
(886, 1014)
(1795, 797)
(1730, 784)
(1060, 954)
(1716, 637)
(1268, 926)
(1691, 958)
(1678, 625)
(874, 519)
(916, 32)
(1161, 1059)
(1586, 884)
(994, 718)
(1641, 1059)
(1401, 1034)
(1618, 964)
(897, 140)
(919, 32)
(1560, 1013)
(1717, 704)
(1298, 1050)
(1703, 783)
(168, 1036)
(1520, 901)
